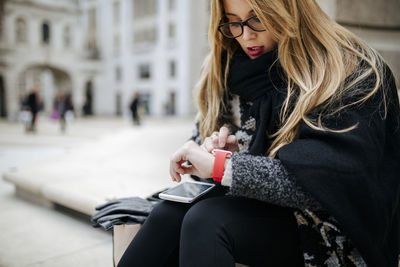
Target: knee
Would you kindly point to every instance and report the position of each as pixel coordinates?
(200, 218)
(165, 213)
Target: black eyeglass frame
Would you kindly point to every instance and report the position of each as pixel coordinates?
(242, 24)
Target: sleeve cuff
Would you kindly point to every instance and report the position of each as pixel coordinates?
(227, 178)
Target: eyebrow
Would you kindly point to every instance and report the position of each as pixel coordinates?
(232, 14)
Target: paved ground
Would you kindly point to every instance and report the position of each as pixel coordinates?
(35, 235)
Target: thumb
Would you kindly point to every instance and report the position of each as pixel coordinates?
(231, 139)
(190, 170)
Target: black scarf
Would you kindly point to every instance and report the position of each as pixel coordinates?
(258, 81)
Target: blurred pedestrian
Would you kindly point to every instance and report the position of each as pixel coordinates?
(134, 107)
(87, 108)
(33, 104)
(63, 110)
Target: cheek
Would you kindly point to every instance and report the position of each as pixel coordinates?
(241, 42)
(242, 45)
(267, 39)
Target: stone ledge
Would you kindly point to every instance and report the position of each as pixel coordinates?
(128, 163)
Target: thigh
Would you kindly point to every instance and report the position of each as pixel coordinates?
(234, 229)
(158, 238)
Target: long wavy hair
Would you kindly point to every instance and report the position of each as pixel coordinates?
(321, 60)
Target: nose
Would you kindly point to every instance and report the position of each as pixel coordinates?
(248, 33)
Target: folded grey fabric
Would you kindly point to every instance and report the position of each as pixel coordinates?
(107, 222)
(131, 210)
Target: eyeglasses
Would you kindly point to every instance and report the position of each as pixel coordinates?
(235, 29)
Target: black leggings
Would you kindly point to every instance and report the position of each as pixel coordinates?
(216, 231)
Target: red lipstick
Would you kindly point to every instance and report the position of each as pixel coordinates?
(255, 50)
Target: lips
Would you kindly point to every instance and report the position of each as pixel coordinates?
(255, 50)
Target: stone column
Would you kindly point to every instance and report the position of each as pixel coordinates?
(377, 23)
(12, 97)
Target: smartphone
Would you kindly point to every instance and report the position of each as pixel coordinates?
(186, 192)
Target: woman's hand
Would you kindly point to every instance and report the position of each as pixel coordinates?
(201, 160)
(221, 140)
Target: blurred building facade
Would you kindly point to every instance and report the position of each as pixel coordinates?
(103, 51)
(45, 43)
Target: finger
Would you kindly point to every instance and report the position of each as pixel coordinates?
(209, 145)
(173, 175)
(232, 144)
(172, 172)
(214, 143)
(215, 133)
(176, 175)
(175, 165)
(203, 145)
(188, 169)
(223, 135)
(231, 140)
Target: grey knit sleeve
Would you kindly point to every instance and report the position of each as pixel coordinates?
(266, 179)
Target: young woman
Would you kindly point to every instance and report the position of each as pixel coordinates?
(312, 117)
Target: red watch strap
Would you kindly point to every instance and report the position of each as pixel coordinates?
(219, 163)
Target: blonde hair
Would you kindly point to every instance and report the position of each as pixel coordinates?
(317, 55)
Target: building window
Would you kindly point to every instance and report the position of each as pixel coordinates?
(144, 71)
(2, 3)
(171, 5)
(144, 8)
(171, 30)
(3, 102)
(92, 28)
(144, 22)
(1, 29)
(67, 36)
(118, 103)
(118, 74)
(146, 35)
(172, 69)
(170, 103)
(21, 32)
(46, 33)
(116, 42)
(116, 8)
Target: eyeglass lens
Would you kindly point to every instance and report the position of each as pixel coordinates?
(235, 29)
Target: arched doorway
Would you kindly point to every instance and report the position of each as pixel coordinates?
(118, 104)
(50, 80)
(3, 107)
(88, 103)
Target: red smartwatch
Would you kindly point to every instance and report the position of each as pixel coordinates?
(219, 163)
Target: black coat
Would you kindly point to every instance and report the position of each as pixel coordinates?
(356, 175)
